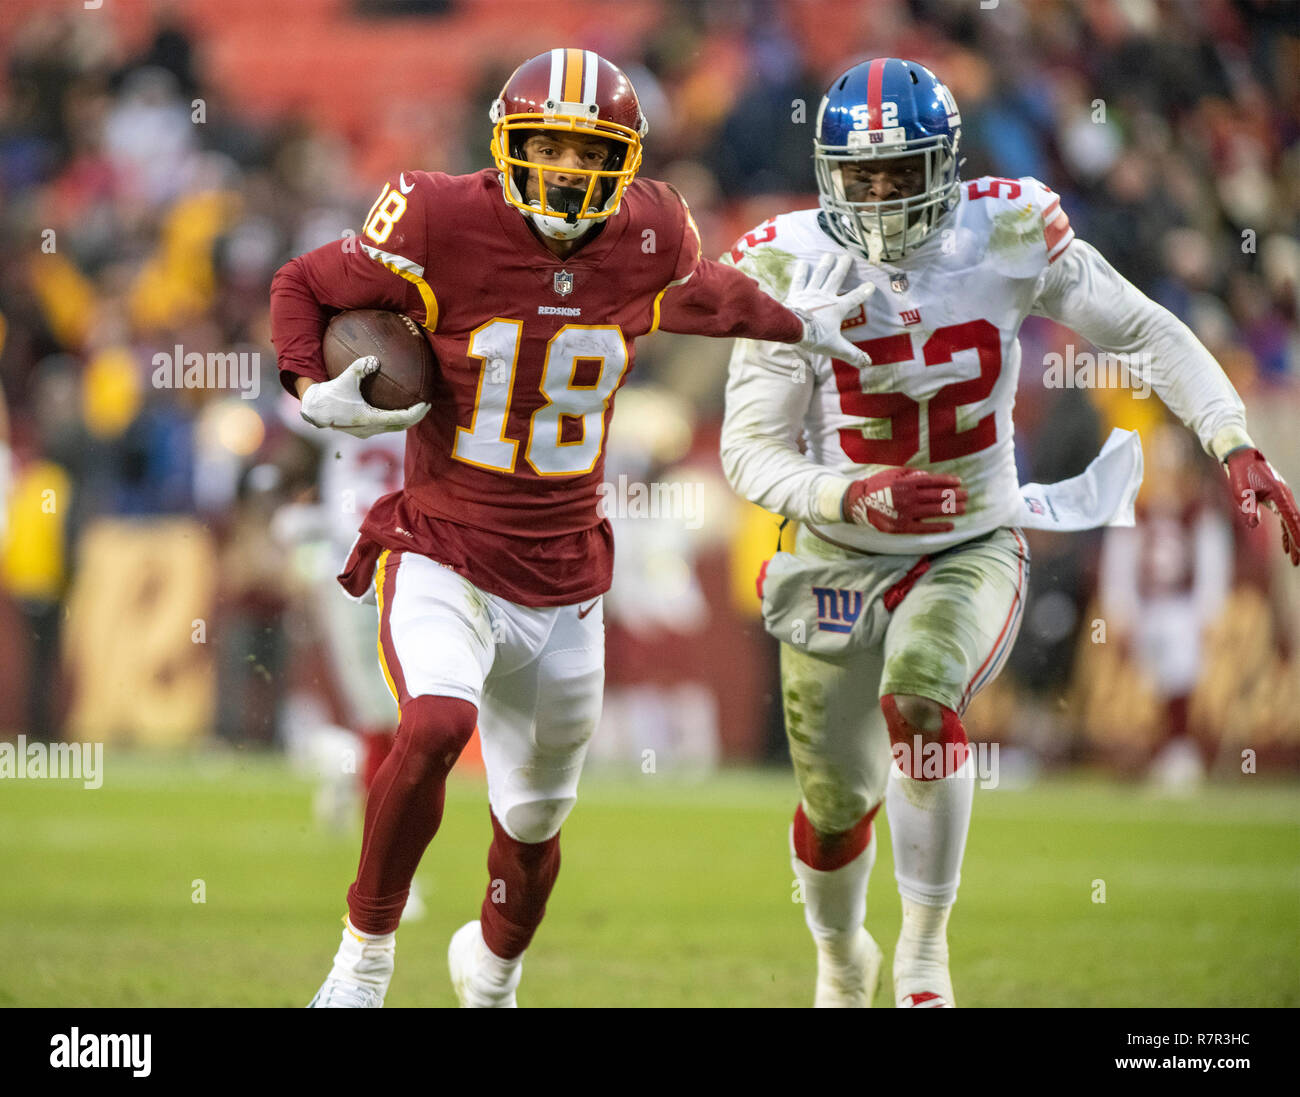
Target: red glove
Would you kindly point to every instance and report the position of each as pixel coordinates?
(896, 501)
(1255, 481)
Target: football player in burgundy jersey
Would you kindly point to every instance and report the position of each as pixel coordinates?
(531, 281)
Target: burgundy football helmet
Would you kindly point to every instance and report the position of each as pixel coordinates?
(570, 91)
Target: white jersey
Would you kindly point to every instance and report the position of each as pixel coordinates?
(941, 330)
(354, 472)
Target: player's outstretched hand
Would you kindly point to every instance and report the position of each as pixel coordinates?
(339, 404)
(1255, 481)
(816, 300)
(900, 500)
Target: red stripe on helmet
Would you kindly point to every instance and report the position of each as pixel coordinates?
(875, 82)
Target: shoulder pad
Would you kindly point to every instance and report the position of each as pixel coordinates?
(768, 252)
(1026, 208)
(394, 231)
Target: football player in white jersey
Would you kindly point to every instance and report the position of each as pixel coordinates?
(902, 597)
(353, 473)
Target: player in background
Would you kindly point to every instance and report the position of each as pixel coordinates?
(531, 281)
(1162, 584)
(909, 570)
(354, 473)
(351, 474)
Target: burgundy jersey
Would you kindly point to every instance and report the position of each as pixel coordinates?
(502, 474)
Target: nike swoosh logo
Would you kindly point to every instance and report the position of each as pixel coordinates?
(583, 612)
(401, 184)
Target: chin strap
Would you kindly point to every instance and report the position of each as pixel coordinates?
(557, 228)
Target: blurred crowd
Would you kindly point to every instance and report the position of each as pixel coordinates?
(147, 195)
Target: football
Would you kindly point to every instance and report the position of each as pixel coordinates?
(406, 362)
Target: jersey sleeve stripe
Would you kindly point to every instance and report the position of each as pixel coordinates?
(654, 321)
(699, 240)
(699, 251)
(1057, 234)
(413, 273)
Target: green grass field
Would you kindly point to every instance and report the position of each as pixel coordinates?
(671, 894)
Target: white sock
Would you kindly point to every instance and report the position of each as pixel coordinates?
(835, 901)
(382, 938)
(924, 938)
(495, 969)
(365, 958)
(928, 821)
(492, 976)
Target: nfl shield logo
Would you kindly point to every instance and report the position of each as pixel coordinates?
(563, 283)
(898, 283)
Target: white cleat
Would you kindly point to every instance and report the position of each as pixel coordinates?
(848, 972)
(337, 994)
(1178, 769)
(363, 968)
(922, 985)
(480, 979)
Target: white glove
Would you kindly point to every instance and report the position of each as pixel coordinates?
(815, 300)
(339, 404)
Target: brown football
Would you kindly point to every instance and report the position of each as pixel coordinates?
(406, 364)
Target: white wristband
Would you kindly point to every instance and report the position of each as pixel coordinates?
(1228, 439)
(828, 498)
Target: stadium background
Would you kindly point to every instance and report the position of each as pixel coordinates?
(159, 161)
